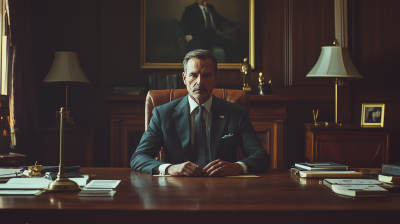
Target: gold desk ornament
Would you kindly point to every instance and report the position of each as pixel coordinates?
(35, 171)
(315, 116)
(260, 84)
(62, 183)
(245, 69)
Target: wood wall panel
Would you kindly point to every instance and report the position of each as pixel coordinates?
(289, 36)
(312, 26)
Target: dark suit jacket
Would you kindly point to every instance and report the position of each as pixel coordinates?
(170, 127)
(193, 23)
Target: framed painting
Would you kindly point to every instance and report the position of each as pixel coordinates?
(172, 28)
(372, 114)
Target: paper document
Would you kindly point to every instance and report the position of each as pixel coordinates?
(26, 183)
(103, 184)
(353, 181)
(9, 172)
(360, 187)
(20, 192)
(96, 193)
(244, 176)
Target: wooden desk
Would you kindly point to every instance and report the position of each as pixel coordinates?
(268, 114)
(275, 197)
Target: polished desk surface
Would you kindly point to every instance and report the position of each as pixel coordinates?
(276, 197)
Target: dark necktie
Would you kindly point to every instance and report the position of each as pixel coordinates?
(208, 17)
(200, 139)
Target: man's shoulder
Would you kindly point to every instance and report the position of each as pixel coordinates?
(227, 105)
(192, 6)
(170, 106)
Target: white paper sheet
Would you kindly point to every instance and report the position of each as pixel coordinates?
(103, 184)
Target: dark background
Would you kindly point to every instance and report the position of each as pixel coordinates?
(289, 35)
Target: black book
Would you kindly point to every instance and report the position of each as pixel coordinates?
(391, 169)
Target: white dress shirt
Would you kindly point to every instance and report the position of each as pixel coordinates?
(194, 110)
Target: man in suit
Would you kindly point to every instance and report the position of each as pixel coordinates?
(202, 26)
(200, 133)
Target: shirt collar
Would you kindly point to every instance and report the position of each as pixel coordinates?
(193, 105)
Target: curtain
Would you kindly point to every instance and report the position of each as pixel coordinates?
(23, 101)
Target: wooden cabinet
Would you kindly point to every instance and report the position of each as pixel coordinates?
(78, 146)
(268, 115)
(355, 146)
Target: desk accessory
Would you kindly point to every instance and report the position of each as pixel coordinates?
(315, 115)
(35, 171)
(245, 69)
(335, 62)
(264, 88)
(372, 114)
(66, 69)
(62, 183)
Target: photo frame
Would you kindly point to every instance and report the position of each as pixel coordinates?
(372, 114)
(164, 43)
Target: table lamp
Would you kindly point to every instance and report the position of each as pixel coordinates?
(67, 70)
(335, 62)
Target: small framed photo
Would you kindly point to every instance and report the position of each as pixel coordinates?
(372, 114)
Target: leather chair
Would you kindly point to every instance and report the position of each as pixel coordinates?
(159, 97)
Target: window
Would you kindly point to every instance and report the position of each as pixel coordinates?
(4, 23)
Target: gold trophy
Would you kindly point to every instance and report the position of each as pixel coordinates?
(245, 70)
(62, 183)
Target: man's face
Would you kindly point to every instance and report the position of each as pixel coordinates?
(200, 79)
(202, 2)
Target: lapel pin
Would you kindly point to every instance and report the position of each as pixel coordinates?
(221, 116)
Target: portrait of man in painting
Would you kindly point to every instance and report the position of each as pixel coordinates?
(175, 27)
(373, 114)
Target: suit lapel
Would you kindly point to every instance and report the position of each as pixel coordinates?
(218, 120)
(182, 124)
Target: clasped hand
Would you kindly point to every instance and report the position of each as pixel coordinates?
(216, 168)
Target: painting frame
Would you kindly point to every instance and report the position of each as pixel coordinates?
(367, 114)
(147, 65)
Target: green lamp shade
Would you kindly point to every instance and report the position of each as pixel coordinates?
(334, 62)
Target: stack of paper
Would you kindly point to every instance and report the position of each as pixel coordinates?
(98, 188)
(330, 174)
(356, 187)
(30, 186)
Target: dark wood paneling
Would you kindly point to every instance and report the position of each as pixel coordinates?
(273, 45)
(289, 36)
(312, 26)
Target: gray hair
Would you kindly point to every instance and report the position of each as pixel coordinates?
(202, 55)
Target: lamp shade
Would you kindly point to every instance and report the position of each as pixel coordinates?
(66, 68)
(335, 62)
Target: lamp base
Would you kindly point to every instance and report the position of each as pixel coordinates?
(62, 184)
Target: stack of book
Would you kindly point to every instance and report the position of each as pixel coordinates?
(172, 81)
(122, 90)
(356, 187)
(324, 170)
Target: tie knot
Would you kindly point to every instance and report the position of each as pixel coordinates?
(201, 109)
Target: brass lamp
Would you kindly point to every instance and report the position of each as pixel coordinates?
(335, 62)
(62, 183)
(67, 70)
